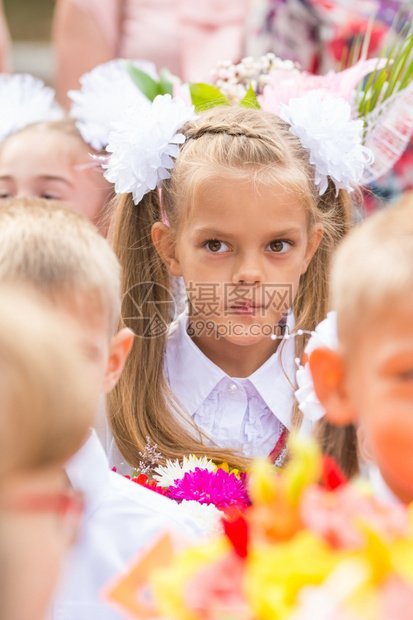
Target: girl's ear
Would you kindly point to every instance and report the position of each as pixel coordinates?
(328, 372)
(161, 237)
(314, 238)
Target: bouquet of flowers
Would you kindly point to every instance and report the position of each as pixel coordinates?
(204, 491)
(300, 552)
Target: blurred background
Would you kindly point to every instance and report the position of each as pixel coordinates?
(29, 23)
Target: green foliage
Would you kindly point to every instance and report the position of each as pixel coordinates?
(143, 81)
(205, 96)
(165, 82)
(250, 100)
(395, 76)
(147, 85)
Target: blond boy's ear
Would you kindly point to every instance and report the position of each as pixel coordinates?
(120, 348)
(161, 238)
(327, 369)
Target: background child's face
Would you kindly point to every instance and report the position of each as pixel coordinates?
(380, 386)
(241, 253)
(105, 354)
(47, 164)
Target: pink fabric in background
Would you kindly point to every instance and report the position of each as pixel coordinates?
(210, 30)
(106, 13)
(187, 36)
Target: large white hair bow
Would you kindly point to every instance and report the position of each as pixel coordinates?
(105, 92)
(325, 127)
(144, 143)
(25, 100)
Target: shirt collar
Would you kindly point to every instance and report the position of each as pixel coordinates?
(192, 376)
(88, 471)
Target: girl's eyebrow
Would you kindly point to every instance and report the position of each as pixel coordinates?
(214, 232)
(50, 177)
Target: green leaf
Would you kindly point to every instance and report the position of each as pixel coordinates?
(398, 68)
(250, 100)
(408, 76)
(143, 81)
(165, 82)
(205, 96)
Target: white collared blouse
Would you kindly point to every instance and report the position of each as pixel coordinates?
(243, 414)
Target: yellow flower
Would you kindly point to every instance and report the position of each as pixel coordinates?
(276, 573)
(169, 584)
(224, 465)
(304, 467)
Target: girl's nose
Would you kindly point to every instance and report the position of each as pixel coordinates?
(24, 193)
(248, 270)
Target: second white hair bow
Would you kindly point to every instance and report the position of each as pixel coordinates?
(325, 127)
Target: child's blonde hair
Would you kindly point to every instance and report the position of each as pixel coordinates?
(46, 401)
(59, 253)
(66, 126)
(234, 143)
(371, 272)
(363, 290)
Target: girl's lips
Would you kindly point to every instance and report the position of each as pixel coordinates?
(245, 309)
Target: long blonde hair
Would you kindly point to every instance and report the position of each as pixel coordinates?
(226, 142)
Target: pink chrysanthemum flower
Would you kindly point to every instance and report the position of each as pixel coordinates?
(219, 488)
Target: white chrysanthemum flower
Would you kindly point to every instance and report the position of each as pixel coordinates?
(144, 144)
(206, 516)
(325, 335)
(166, 475)
(325, 127)
(104, 94)
(25, 100)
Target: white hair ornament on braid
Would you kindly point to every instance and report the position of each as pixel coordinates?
(144, 143)
(324, 126)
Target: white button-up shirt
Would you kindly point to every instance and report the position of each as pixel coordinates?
(121, 518)
(243, 414)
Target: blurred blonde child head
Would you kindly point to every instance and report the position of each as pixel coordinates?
(60, 254)
(241, 208)
(47, 405)
(369, 379)
(51, 160)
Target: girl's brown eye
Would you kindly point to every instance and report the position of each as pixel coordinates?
(276, 246)
(214, 246)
